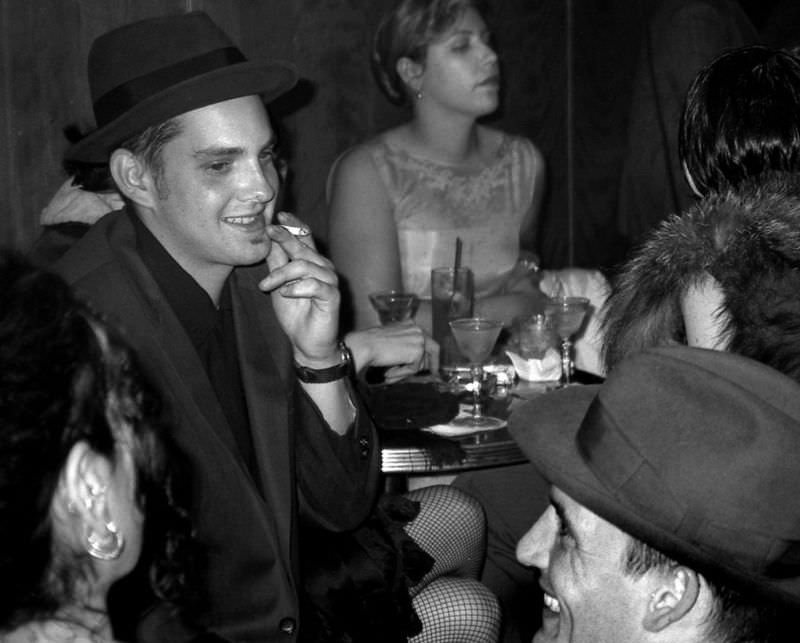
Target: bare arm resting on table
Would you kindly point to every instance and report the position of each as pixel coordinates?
(403, 346)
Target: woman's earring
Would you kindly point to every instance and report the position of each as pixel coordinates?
(418, 94)
(102, 546)
(106, 546)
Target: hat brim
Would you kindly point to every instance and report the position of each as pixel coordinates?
(269, 80)
(546, 430)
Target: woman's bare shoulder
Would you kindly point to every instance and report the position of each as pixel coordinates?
(354, 165)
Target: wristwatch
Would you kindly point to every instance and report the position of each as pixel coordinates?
(345, 368)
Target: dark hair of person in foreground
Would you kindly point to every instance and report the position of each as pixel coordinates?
(67, 380)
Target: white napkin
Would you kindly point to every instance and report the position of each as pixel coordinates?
(546, 369)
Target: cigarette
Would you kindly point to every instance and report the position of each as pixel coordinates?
(297, 231)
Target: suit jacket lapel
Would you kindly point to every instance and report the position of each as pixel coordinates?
(265, 359)
(186, 372)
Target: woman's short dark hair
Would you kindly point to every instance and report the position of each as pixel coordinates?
(66, 378)
(740, 118)
(406, 32)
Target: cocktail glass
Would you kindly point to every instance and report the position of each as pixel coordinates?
(476, 337)
(394, 306)
(567, 314)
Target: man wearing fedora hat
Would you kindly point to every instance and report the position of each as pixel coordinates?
(673, 512)
(232, 315)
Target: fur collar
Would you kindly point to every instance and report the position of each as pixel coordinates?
(749, 241)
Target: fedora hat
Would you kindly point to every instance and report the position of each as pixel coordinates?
(149, 71)
(694, 452)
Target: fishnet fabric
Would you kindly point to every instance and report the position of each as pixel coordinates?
(452, 604)
(457, 610)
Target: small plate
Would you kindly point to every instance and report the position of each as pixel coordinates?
(450, 430)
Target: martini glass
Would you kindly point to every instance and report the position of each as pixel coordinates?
(394, 306)
(476, 337)
(567, 314)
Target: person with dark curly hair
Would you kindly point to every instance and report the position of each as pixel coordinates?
(87, 482)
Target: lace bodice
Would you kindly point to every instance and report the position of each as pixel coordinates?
(433, 203)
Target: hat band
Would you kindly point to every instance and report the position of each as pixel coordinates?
(123, 97)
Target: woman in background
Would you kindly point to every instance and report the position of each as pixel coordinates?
(82, 461)
(406, 195)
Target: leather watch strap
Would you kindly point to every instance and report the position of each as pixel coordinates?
(345, 368)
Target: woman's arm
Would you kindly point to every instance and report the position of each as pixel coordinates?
(362, 234)
(403, 346)
(528, 233)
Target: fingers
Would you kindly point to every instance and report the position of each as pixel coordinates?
(403, 347)
(293, 259)
(397, 373)
(431, 354)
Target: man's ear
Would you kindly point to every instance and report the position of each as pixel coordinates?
(133, 178)
(410, 73)
(673, 599)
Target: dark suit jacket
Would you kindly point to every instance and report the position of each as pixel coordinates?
(250, 533)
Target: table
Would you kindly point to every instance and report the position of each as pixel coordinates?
(417, 452)
(480, 450)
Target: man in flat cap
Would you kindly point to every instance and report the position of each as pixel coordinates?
(234, 317)
(673, 509)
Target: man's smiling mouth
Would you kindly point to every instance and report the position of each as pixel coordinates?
(551, 603)
(243, 220)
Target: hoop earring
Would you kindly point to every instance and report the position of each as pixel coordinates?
(106, 546)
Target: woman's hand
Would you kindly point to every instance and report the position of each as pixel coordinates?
(402, 346)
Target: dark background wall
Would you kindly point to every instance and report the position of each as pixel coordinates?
(567, 68)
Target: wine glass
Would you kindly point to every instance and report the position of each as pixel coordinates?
(475, 337)
(394, 306)
(567, 314)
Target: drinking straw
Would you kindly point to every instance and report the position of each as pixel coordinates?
(456, 266)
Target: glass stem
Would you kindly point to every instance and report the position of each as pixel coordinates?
(566, 361)
(477, 380)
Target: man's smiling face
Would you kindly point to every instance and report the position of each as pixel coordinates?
(217, 187)
(588, 596)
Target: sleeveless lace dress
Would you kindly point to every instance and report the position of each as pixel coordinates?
(433, 203)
